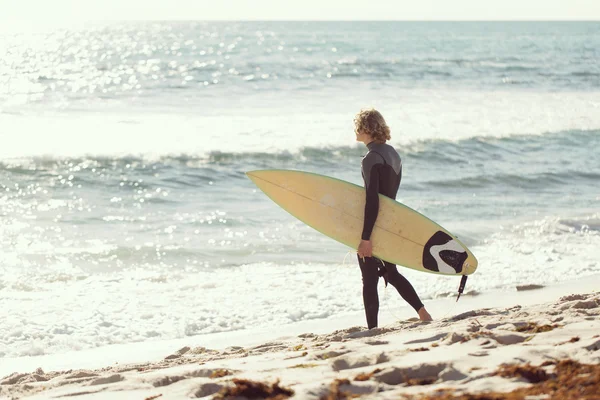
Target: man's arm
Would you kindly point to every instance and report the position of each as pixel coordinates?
(371, 166)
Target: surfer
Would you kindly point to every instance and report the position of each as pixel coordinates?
(382, 173)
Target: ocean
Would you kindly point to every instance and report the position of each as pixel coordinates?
(126, 215)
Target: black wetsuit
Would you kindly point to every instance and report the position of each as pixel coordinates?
(382, 172)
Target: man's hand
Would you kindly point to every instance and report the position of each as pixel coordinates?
(365, 249)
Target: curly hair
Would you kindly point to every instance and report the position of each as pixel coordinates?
(371, 122)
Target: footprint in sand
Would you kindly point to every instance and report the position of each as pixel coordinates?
(327, 355)
(368, 333)
(428, 339)
(350, 362)
(573, 297)
(268, 347)
(419, 374)
(509, 338)
(474, 313)
(479, 354)
(376, 342)
(594, 346)
(210, 373)
(587, 305)
(81, 374)
(178, 353)
(167, 380)
(109, 379)
(344, 389)
(207, 389)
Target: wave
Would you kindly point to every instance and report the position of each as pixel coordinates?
(586, 74)
(582, 224)
(541, 180)
(555, 227)
(440, 151)
(528, 163)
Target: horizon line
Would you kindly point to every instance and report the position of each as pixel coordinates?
(311, 20)
(354, 20)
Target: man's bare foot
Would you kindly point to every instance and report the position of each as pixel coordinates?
(424, 315)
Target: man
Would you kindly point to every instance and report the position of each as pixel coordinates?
(382, 173)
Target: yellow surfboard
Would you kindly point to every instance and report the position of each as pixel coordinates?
(335, 208)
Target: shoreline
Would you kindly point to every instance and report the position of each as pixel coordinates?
(257, 355)
(98, 357)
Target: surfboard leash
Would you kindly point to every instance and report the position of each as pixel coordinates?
(461, 288)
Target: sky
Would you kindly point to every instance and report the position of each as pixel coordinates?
(74, 11)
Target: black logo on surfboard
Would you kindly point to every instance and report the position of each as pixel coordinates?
(444, 254)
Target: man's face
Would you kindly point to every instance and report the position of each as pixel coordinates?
(360, 135)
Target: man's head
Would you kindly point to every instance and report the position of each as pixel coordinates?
(369, 126)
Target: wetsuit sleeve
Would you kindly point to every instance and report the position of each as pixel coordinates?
(371, 165)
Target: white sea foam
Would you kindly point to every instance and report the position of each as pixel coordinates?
(413, 115)
(68, 309)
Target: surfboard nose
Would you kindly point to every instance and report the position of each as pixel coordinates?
(257, 173)
(258, 176)
(251, 174)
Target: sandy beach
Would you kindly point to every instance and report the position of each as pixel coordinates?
(537, 343)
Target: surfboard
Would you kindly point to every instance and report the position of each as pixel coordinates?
(334, 207)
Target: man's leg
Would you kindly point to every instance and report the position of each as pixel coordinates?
(370, 278)
(403, 286)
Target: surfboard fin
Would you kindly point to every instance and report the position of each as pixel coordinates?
(461, 288)
(383, 273)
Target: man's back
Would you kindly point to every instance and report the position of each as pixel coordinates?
(382, 163)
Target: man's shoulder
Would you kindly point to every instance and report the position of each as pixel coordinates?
(389, 147)
(390, 151)
(373, 157)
